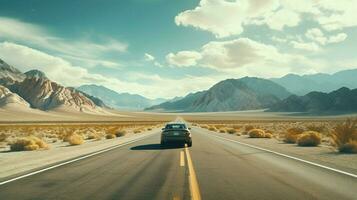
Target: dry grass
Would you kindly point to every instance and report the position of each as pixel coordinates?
(120, 133)
(231, 131)
(30, 143)
(309, 139)
(75, 139)
(256, 133)
(73, 133)
(344, 136)
(292, 135)
(212, 128)
(222, 130)
(110, 136)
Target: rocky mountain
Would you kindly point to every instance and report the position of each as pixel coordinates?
(9, 74)
(178, 104)
(230, 95)
(301, 85)
(35, 74)
(7, 97)
(341, 100)
(119, 100)
(40, 92)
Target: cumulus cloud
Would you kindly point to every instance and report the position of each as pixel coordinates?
(318, 36)
(64, 72)
(229, 17)
(308, 46)
(244, 56)
(79, 49)
(337, 38)
(183, 58)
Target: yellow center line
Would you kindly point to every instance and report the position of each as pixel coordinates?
(195, 190)
(182, 159)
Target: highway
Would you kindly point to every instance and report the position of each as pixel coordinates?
(213, 169)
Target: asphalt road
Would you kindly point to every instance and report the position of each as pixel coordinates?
(222, 169)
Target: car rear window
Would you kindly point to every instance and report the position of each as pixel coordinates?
(175, 126)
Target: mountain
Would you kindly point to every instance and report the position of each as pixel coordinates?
(341, 100)
(181, 104)
(34, 88)
(301, 85)
(230, 95)
(7, 97)
(119, 100)
(9, 74)
(35, 74)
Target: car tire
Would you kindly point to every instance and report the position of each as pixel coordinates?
(189, 144)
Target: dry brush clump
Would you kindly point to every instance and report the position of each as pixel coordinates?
(292, 135)
(309, 139)
(344, 136)
(29, 143)
(258, 133)
(75, 139)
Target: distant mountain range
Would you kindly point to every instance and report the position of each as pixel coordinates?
(232, 94)
(33, 89)
(120, 100)
(301, 85)
(292, 93)
(341, 100)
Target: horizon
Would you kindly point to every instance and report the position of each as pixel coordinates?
(136, 47)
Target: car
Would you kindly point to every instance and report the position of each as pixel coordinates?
(176, 133)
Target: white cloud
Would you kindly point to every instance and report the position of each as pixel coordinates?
(149, 57)
(224, 18)
(308, 46)
(315, 34)
(183, 58)
(337, 38)
(78, 49)
(245, 57)
(57, 69)
(283, 18)
(229, 17)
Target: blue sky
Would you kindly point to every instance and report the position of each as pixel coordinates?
(167, 48)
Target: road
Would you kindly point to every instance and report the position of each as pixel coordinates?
(221, 169)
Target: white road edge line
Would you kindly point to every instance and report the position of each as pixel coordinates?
(287, 156)
(74, 160)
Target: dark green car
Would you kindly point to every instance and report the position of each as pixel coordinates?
(176, 133)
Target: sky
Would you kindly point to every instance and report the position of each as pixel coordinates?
(168, 48)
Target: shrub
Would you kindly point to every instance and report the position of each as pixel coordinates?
(120, 133)
(317, 128)
(268, 135)
(110, 136)
(75, 139)
(349, 147)
(247, 128)
(256, 133)
(292, 135)
(28, 144)
(344, 136)
(231, 131)
(2, 137)
(137, 131)
(309, 138)
(92, 136)
(204, 126)
(222, 130)
(212, 128)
